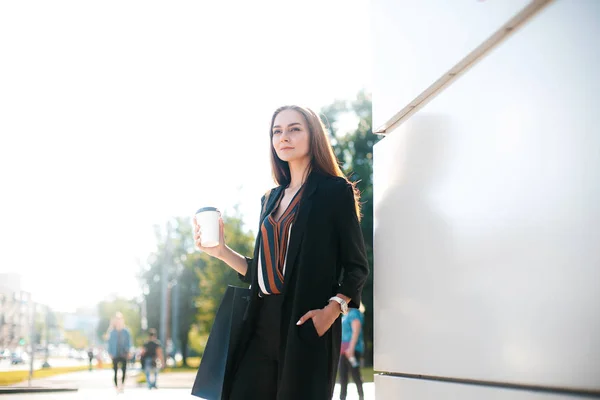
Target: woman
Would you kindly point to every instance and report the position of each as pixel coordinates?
(309, 265)
(119, 341)
(353, 348)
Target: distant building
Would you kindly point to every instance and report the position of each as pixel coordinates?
(83, 320)
(10, 282)
(15, 312)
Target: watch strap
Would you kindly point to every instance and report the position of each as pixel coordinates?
(342, 303)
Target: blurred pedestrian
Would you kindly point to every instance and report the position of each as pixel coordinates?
(90, 354)
(309, 266)
(99, 364)
(119, 342)
(150, 354)
(132, 358)
(353, 347)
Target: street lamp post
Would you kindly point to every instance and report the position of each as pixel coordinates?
(31, 340)
(164, 289)
(46, 350)
(175, 317)
(144, 312)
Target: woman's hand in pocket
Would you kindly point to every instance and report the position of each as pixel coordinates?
(322, 319)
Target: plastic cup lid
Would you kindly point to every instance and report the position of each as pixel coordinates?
(207, 209)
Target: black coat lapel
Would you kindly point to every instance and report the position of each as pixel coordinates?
(271, 201)
(299, 225)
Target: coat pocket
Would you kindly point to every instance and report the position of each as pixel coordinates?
(308, 332)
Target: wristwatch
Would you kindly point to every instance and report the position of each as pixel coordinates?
(342, 304)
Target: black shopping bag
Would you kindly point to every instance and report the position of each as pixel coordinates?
(219, 349)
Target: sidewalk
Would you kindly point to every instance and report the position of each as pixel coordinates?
(98, 385)
(83, 379)
(181, 380)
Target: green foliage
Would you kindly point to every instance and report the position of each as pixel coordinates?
(131, 313)
(354, 150)
(76, 339)
(214, 275)
(175, 251)
(197, 340)
(201, 279)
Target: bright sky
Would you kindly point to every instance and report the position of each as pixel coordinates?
(116, 115)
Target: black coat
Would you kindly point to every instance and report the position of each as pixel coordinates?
(326, 256)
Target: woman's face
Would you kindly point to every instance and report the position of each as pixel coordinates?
(291, 136)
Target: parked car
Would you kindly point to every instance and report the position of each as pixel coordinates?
(19, 358)
(4, 354)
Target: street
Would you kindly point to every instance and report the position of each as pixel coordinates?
(98, 384)
(5, 365)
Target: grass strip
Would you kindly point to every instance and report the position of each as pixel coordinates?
(12, 377)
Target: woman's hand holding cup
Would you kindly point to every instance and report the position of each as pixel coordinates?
(210, 245)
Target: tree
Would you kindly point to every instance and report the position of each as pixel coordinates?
(215, 275)
(131, 313)
(354, 150)
(201, 279)
(76, 339)
(175, 252)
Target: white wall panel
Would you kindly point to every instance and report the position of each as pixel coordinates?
(393, 388)
(487, 216)
(416, 42)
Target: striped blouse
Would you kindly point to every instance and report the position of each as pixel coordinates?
(275, 237)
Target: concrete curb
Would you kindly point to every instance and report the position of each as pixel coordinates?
(35, 389)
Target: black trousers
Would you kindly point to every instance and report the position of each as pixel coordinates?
(123, 362)
(257, 375)
(344, 368)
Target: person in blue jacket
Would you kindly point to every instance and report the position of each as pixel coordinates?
(119, 342)
(353, 347)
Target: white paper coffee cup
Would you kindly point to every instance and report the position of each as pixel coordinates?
(208, 220)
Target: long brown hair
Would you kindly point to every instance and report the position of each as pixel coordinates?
(322, 157)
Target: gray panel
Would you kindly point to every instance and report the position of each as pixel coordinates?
(487, 216)
(393, 388)
(416, 42)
